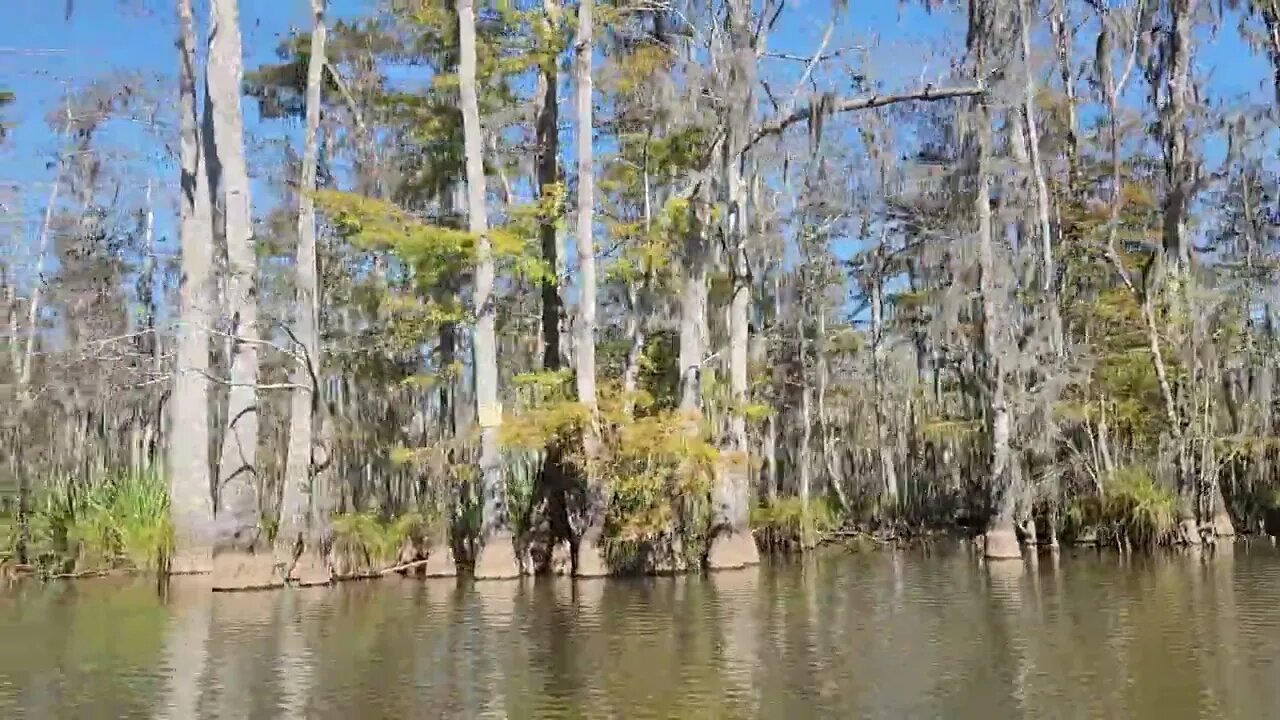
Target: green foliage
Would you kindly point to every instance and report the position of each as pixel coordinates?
(657, 467)
(1133, 510)
(660, 370)
(788, 523)
(122, 522)
(371, 224)
(377, 542)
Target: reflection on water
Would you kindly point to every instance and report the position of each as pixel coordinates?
(896, 634)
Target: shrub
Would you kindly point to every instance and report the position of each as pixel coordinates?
(657, 467)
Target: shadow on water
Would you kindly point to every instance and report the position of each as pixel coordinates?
(892, 634)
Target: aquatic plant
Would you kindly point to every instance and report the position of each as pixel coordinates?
(365, 540)
(787, 523)
(119, 522)
(1133, 511)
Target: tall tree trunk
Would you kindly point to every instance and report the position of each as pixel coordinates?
(190, 481)
(888, 469)
(497, 558)
(1174, 265)
(24, 394)
(237, 515)
(590, 558)
(830, 463)
(299, 541)
(1048, 272)
(552, 493)
(732, 545)
(548, 131)
(1064, 40)
(1001, 537)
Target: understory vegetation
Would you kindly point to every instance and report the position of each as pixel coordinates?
(121, 523)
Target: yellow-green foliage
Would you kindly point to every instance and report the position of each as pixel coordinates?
(122, 522)
(1133, 509)
(8, 536)
(787, 522)
(371, 224)
(376, 542)
(657, 468)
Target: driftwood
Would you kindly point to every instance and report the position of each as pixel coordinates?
(381, 573)
(835, 535)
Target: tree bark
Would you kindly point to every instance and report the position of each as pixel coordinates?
(301, 531)
(590, 558)
(497, 558)
(888, 468)
(190, 481)
(732, 544)
(693, 314)
(548, 132)
(1001, 537)
(237, 511)
(1173, 268)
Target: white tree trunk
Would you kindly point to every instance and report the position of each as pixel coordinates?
(238, 510)
(298, 541)
(888, 468)
(1001, 537)
(190, 483)
(497, 558)
(590, 558)
(732, 544)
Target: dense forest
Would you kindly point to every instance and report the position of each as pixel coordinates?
(644, 287)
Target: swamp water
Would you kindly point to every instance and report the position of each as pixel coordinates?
(893, 634)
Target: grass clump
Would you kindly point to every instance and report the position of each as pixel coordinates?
(1133, 511)
(787, 524)
(121, 522)
(365, 541)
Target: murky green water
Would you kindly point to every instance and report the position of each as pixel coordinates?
(886, 635)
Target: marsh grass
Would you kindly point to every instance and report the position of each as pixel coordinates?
(118, 523)
(367, 541)
(786, 524)
(1133, 511)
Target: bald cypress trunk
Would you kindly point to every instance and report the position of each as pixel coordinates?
(590, 556)
(302, 520)
(497, 558)
(1001, 537)
(732, 544)
(238, 520)
(190, 482)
